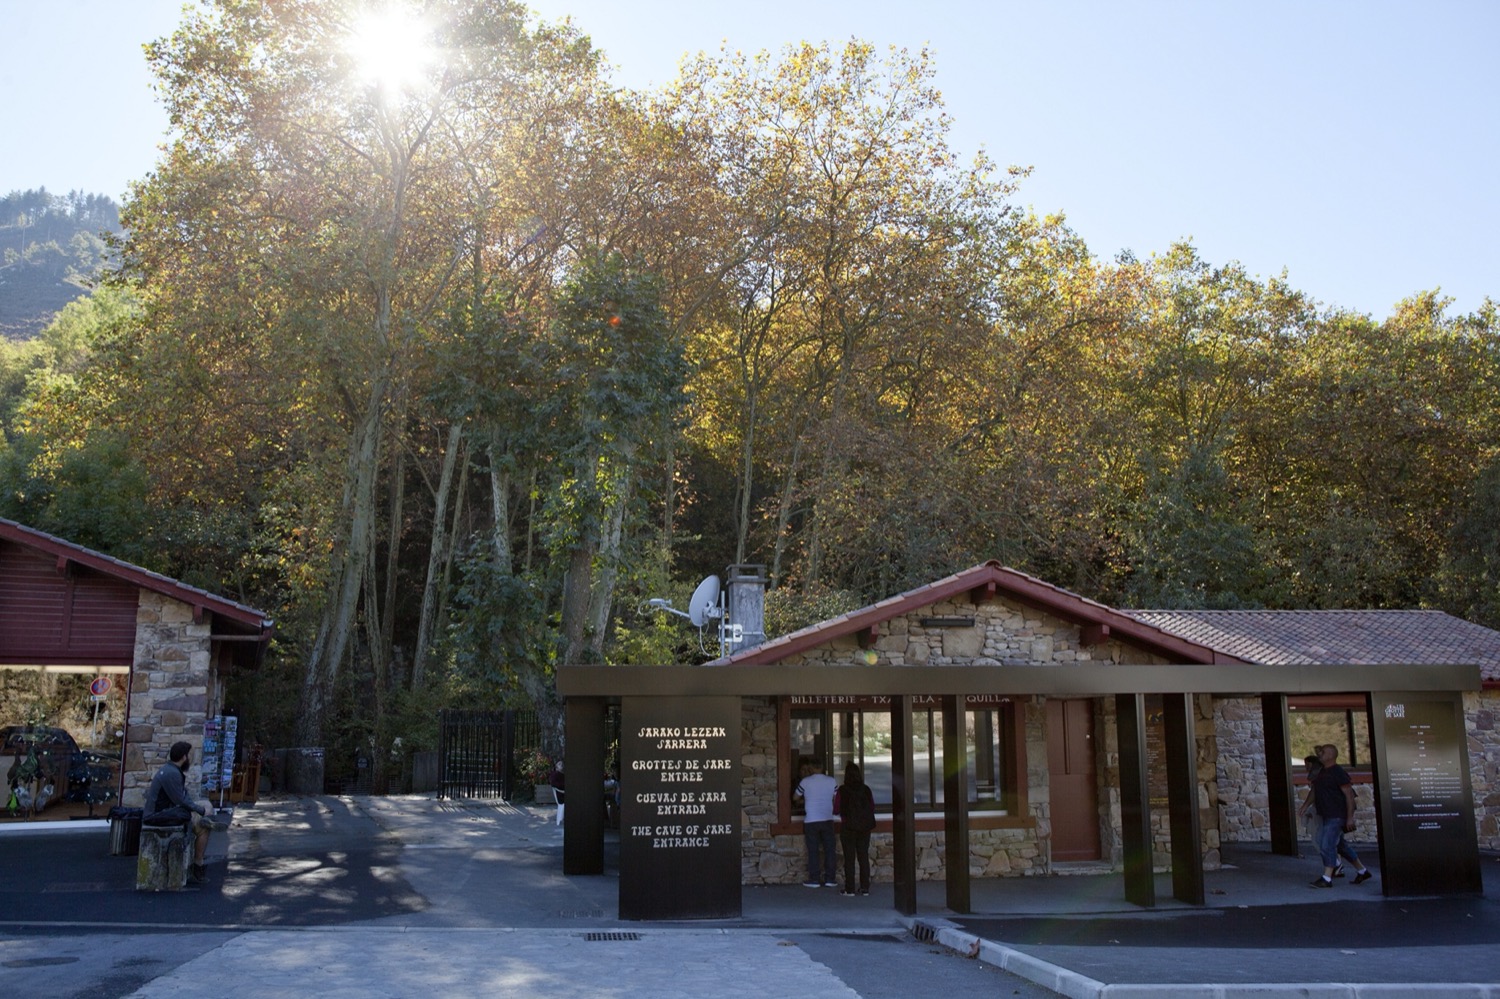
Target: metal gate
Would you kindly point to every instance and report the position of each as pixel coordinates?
(477, 751)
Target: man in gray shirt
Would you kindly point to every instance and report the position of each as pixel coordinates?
(815, 792)
(167, 803)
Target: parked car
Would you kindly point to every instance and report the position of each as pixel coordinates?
(46, 767)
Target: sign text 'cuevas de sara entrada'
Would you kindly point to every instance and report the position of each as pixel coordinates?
(679, 807)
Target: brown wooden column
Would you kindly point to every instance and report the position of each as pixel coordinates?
(903, 819)
(1182, 798)
(1135, 813)
(1278, 775)
(583, 766)
(955, 805)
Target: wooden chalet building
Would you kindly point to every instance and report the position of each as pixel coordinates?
(158, 651)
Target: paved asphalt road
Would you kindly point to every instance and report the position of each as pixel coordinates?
(411, 897)
(366, 898)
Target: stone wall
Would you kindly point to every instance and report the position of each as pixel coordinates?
(1004, 634)
(1244, 794)
(1482, 720)
(171, 680)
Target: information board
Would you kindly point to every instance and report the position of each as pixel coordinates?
(680, 808)
(219, 735)
(1428, 842)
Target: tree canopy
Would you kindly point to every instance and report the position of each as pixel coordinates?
(452, 369)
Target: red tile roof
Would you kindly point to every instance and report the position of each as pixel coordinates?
(982, 582)
(1336, 637)
(1268, 637)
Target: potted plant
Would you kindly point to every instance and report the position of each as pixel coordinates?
(536, 767)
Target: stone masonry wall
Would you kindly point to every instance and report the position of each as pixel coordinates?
(1244, 796)
(1206, 740)
(171, 680)
(1482, 720)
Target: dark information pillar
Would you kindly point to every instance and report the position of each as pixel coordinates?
(1278, 775)
(1428, 843)
(679, 807)
(1135, 815)
(955, 805)
(1182, 798)
(583, 767)
(903, 819)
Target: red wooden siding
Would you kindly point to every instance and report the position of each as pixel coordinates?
(80, 618)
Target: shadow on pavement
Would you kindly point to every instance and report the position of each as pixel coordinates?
(70, 877)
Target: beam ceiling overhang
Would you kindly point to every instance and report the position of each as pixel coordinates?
(1079, 680)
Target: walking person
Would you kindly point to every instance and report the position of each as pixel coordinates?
(855, 806)
(815, 793)
(1333, 799)
(1313, 766)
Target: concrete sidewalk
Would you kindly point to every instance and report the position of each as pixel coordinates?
(1075, 934)
(410, 896)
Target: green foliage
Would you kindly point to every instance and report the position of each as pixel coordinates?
(502, 643)
(52, 248)
(522, 351)
(789, 610)
(614, 386)
(93, 495)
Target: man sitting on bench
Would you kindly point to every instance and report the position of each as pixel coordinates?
(168, 804)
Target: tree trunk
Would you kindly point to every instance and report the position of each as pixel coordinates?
(332, 641)
(602, 597)
(747, 478)
(500, 505)
(437, 554)
(784, 513)
(381, 674)
(396, 527)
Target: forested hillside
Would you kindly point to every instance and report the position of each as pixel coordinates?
(452, 370)
(51, 252)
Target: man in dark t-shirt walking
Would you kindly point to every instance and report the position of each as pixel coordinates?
(1333, 797)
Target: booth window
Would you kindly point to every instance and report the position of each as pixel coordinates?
(863, 736)
(1343, 721)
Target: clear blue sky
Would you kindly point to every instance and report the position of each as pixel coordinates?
(1352, 143)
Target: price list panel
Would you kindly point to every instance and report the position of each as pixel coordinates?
(1427, 812)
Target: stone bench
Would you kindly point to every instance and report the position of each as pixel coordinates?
(162, 864)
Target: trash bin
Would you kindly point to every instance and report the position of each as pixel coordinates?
(125, 831)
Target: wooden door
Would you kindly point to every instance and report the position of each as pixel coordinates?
(1075, 796)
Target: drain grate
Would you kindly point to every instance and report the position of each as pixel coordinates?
(581, 913)
(923, 932)
(611, 936)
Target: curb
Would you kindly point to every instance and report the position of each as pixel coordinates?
(1076, 986)
(1043, 973)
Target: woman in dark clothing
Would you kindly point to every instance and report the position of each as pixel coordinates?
(855, 807)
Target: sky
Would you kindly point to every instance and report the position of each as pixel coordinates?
(1350, 143)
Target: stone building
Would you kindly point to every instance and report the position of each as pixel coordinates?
(1067, 710)
(163, 648)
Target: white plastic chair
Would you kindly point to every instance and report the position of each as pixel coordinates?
(557, 799)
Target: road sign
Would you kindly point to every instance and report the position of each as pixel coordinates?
(100, 686)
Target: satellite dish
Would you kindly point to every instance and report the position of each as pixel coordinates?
(705, 601)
